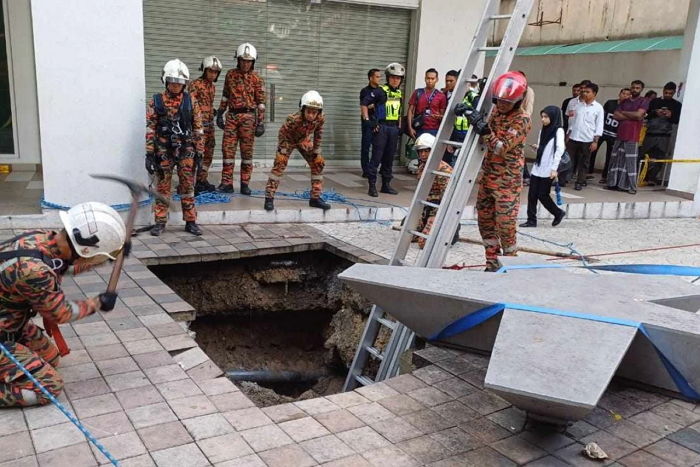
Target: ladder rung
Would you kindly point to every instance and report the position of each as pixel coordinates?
(375, 352)
(387, 323)
(458, 144)
(363, 380)
(419, 234)
(495, 17)
(429, 204)
(488, 49)
(442, 174)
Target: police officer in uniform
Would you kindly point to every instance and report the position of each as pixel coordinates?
(461, 126)
(387, 127)
(174, 137)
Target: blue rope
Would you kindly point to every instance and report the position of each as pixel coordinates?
(60, 406)
(477, 317)
(653, 269)
(117, 207)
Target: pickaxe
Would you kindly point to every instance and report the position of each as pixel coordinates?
(136, 190)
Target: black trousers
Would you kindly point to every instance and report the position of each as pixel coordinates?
(580, 153)
(609, 142)
(539, 191)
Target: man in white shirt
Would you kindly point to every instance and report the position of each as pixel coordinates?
(585, 129)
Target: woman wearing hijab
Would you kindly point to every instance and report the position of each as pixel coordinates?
(544, 170)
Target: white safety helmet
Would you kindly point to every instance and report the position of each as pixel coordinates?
(210, 62)
(246, 51)
(425, 141)
(94, 229)
(395, 69)
(175, 71)
(311, 99)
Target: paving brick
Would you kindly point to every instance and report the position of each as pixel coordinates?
(634, 434)
(303, 429)
(430, 396)
(485, 430)
(484, 402)
(396, 429)
(191, 358)
(143, 346)
(149, 415)
(162, 374)
(431, 374)
(347, 399)
(401, 404)
(144, 460)
(339, 420)
(455, 387)
(327, 448)
(370, 413)
(351, 461)
(205, 370)
(12, 421)
(363, 439)
(424, 449)
(253, 460)
(90, 329)
(456, 440)
(266, 437)
(316, 406)
(455, 412)
(164, 436)
(208, 426)
(99, 340)
(110, 424)
(244, 419)
(134, 334)
(231, 401)
(129, 380)
(75, 357)
(69, 456)
(15, 446)
(287, 456)
(137, 397)
(456, 366)
(673, 453)
(612, 445)
(187, 454)
(518, 450)
(434, 354)
(427, 421)
(107, 352)
(81, 372)
(572, 455)
(405, 383)
(41, 416)
(377, 391)
(643, 459)
(176, 389)
(88, 388)
(512, 419)
(390, 455)
(285, 412)
(580, 429)
(548, 440)
(97, 405)
(676, 413)
(688, 438)
(224, 447)
(56, 436)
(216, 386)
(117, 366)
(655, 423)
(180, 342)
(193, 406)
(153, 359)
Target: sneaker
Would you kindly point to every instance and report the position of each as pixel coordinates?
(558, 218)
(528, 224)
(193, 228)
(245, 190)
(157, 229)
(319, 203)
(224, 188)
(632, 191)
(269, 204)
(578, 187)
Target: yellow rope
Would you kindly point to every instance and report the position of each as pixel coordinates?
(647, 160)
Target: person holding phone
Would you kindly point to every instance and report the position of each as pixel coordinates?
(664, 112)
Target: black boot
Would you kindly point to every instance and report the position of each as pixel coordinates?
(319, 203)
(193, 228)
(529, 224)
(386, 188)
(558, 218)
(157, 229)
(207, 187)
(269, 204)
(224, 188)
(245, 190)
(372, 190)
(201, 187)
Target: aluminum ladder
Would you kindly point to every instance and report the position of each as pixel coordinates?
(459, 188)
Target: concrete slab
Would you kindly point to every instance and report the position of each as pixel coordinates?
(563, 354)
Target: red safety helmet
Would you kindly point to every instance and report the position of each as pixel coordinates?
(510, 87)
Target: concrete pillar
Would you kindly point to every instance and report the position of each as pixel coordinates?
(685, 178)
(90, 90)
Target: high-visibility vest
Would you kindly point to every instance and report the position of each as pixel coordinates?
(393, 103)
(461, 123)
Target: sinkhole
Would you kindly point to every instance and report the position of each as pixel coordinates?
(283, 327)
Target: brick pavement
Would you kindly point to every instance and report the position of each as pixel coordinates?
(140, 384)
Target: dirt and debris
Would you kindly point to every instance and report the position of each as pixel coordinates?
(279, 313)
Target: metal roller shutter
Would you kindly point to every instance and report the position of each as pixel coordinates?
(327, 46)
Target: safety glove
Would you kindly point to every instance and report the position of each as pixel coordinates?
(107, 301)
(151, 164)
(220, 118)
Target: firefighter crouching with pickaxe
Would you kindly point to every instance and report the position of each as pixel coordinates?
(31, 267)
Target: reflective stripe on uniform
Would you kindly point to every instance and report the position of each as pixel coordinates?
(275, 177)
(317, 177)
(246, 162)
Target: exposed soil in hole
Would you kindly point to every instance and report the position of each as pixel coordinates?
(279, 313)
